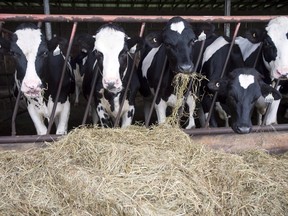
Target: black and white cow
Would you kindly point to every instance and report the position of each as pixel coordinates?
(82, 44)
(242, 90)
(38, 70)
(273, 60)
(176, 42)
(112, 58)
(213, 58)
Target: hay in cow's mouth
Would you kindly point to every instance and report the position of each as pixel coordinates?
(181, 83)
(140, 171)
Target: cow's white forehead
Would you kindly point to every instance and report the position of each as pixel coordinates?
(109, 39)
(245, 80)
(29, 40)
(178, 27)
(277, 28)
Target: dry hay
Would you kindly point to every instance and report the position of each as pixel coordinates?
(139, 171)
(180, 83)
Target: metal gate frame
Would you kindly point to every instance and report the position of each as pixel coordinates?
(132, 19)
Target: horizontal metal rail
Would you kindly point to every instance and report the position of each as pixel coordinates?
(128, 18)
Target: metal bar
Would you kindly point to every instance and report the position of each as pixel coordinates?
(13, 124)
(222, 73)
(51, 120)
(28, 138)
(128, 18)
(227, 13)
(156, 93)
(90, 95)
(116, 123)
(228, 130)
(48, 28)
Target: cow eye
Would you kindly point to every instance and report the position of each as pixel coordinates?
(14, 54)
(44, 54)
(168, 46)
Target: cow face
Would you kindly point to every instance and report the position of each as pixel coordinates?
(178, 39)
(30, 51)
(275, 46)
(243, 89)
(111, 49)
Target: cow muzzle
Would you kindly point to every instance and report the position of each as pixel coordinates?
(31, 89)
(113, 86)
(242, 129)
(185, 68)
(281, 74)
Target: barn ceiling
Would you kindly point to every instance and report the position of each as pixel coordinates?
(149, 7)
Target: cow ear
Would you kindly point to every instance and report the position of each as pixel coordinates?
(134, 44)
(85, 41)
(206, 29)
(270, 93)
(57, 41)
(154, 39)
(4, 46)
(255, 35)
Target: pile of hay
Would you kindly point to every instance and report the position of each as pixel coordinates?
(139, 171)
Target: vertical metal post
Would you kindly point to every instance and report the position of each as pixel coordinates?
(227, 13)
(47, 24)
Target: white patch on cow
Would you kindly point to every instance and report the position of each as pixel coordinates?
(29, 41)
(269, 98)
(62, 114)
(161, 111)
(277, 29)
(148, 60)
(57, 51)
(272, 113)
(245, 80)
(246, 47)
(202, 36)
(110, 43)
(178, 27)
(37, 110)
(211, 49)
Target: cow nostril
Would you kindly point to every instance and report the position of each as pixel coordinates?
(186, 68)
(110, 85)
(243, 130)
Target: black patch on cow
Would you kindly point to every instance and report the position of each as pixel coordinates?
(269, 49)
(130, 113)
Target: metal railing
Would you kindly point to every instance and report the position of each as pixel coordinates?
(75, 19)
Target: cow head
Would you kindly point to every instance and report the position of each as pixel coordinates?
(243, 89)
(29, 50)
(178, 39)
(111, 49)
(275, 46)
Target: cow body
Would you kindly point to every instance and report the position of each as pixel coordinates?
(242, 90)
(272, 62)
(111, 57)
(211, 66)
(176, 42)
(37, 76)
